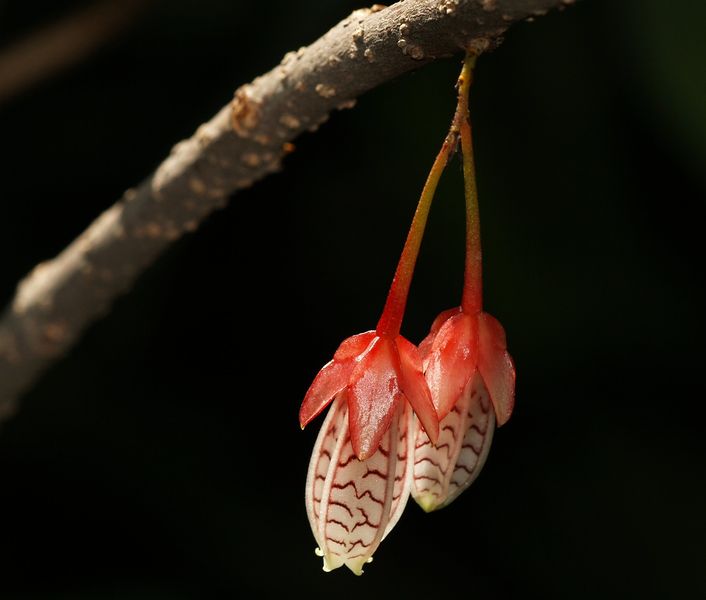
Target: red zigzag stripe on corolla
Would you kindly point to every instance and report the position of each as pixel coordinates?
(443, 471)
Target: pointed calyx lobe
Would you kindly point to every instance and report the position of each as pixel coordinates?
(451, 361)
(458, 347)
(333, 378)
(373, 374)
(496, 366)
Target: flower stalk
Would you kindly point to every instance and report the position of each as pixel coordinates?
(391, 319)
(472, 300)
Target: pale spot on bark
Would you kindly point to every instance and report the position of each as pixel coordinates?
(56, 332)
(325, 91)
(289, 121)
(346, 104)
(197, 185)
(245, 112)
(251, 159)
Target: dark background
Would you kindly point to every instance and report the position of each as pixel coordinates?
(163, 458)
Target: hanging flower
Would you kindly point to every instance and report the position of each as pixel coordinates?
(466, 364)
(406, 420)
(360, 471)
(353, 504)
(361, 467)
(472, 380)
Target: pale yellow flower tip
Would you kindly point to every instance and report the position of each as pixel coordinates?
(330, 562)
(356, 565)
(333, 562)
(427, 502)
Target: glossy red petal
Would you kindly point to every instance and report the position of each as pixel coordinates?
(334, 376)
(426, 344)
(331, 380)
(496, 366)
(444, 316)
(415, 388)
(373, 393)
(354, 346)
(452, 361)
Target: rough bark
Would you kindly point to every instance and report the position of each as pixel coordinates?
(243, 143)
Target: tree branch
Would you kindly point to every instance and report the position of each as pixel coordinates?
(243, 143)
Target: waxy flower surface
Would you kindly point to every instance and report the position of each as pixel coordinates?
(472, 379)
(373, 374)
(460, 345)
(352, 504)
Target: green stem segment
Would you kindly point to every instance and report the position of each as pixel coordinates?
(391, 319)
(472, 300)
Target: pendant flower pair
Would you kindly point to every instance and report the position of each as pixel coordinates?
(405, 419)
